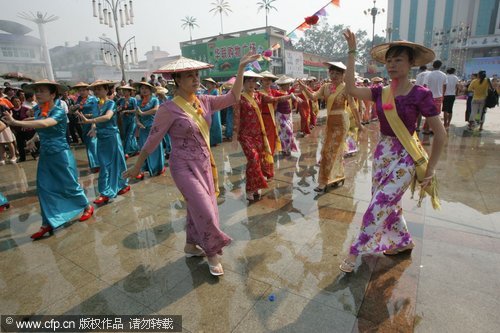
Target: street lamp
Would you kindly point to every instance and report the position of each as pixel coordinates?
(389, 30)
(117, 11)
(374, 11)
(41, 19)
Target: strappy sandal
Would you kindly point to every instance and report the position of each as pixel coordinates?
(197, 254)
(347, 266)
(393, 252)
(213, 271)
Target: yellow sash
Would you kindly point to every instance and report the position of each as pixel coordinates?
(331, 98)
(267, 149)
(205, 132)
(271, 111)
(413, 146)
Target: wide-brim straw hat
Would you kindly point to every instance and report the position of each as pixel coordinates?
(337, 64)
(137, 86)
(183, 64)
(125, 87)
(161, 90)
(209, 79)
(422, 54)
(251, 73)
(284, 80)
(98, 83)
(311, 78)
(268, 75)
(377, 79)
(80, 85)
(32, 86)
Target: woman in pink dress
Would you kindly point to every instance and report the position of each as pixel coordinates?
(187, 120)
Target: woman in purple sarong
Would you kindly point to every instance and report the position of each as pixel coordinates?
(187, 118)
(383, 228)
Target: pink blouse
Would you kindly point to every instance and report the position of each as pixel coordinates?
(186, 139)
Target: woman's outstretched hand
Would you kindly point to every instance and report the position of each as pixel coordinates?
(350, 37)
(248, 58)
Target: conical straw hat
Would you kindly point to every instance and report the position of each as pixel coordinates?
(183, 64)
(31, 87)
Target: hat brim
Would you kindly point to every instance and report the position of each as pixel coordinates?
(32, 86)
(336, 65)
(422, 56)
(95, 85)
(137, 85)
(210, 80)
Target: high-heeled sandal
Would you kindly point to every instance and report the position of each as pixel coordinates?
(4, 207)
(101, 200)
(212, 269)
(87, 213)
(124, 190)
(43, 230)
(140, 176)
(393, 252)
(347, 266)
(320, 189)
(199, 254)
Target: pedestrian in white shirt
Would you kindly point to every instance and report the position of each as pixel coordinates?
(420, 79)
(435, 81)
(449, 96)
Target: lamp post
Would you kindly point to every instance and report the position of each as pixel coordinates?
(40, 19)
(116, 11)
(374, 11)
(389, 30)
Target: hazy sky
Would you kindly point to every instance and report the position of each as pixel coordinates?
(158, 22)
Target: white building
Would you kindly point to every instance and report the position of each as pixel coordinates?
(19, 52)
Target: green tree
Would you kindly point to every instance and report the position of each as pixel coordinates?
(267, 6)
(327, 41)
(189, 22)
(221, 6)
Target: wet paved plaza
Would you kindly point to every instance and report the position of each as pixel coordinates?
(128, 258)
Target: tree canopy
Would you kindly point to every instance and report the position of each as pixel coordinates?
(326, 40)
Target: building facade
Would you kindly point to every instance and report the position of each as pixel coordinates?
(19, 52)
(224, 52)
(457, 30)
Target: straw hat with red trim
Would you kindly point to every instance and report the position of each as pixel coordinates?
(183, 64)
(422, 54)
(31, 87)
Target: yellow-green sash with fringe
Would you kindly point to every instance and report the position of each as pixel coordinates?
(331, 98)
(413, 146)
(271, 111)
(193, 113)
(267, 149)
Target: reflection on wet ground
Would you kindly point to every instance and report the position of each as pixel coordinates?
(128, 258)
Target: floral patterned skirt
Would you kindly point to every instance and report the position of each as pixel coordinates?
(384, 227)
(286, 132)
